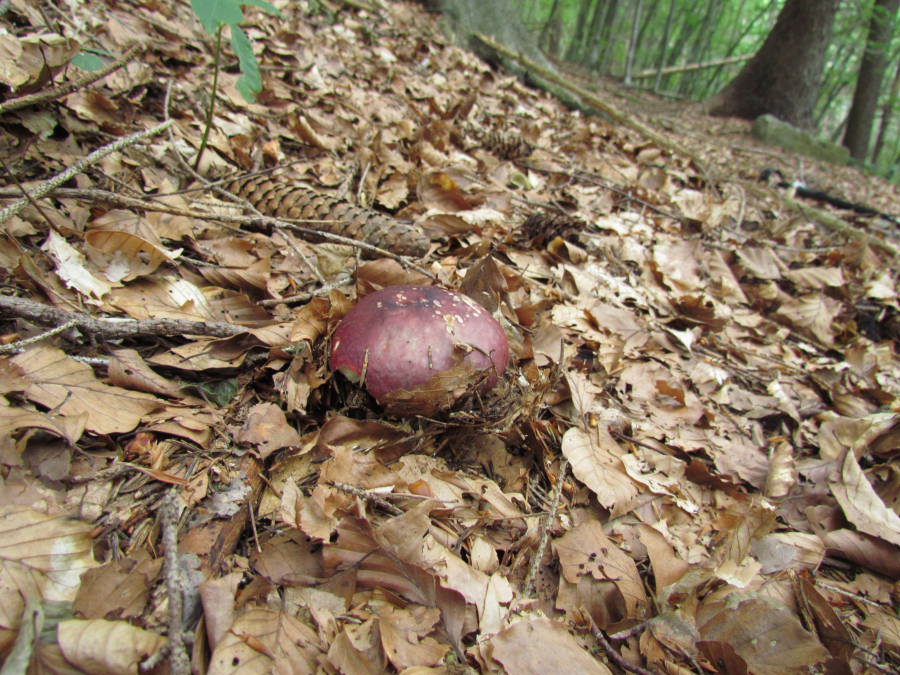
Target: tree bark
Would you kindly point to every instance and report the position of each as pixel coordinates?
(886, 111)
(783, 78)
(868, 82)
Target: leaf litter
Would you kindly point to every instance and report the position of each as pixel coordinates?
(691, 467)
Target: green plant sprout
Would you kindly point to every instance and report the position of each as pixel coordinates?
(215, 15)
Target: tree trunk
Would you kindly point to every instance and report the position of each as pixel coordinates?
(868, 83)
(576, 46)
(667, 33)
(783, 78)
(886, 115)
(632, 45)
(549, 40)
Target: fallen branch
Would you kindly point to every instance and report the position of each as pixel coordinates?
(112, 329)
(611, 652)
(67, 87)
(47, 186)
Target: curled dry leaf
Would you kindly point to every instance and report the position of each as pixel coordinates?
(106, 647)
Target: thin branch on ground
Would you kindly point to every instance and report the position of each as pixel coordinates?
(47, 186)
(368, 497)
(611, 652)
(546, 526)
(112, 329)
(67, 87)
(179, 660)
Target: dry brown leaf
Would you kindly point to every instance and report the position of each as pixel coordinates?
(862, 505)
(595, 461)
(263, 640)
(586, 550)
(69, 387)
(541, 646)
(42, 558)
(106, 647)
(765, 633)
(267, 428)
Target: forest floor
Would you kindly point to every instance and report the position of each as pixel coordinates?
(691, 464)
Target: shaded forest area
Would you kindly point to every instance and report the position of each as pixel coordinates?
(691, 51)
(685, 462)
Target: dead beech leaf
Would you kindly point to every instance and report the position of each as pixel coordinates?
(70, 388)
(542, 646)
(71, 267)
(586, 549)
(781, 551)
(403, 634)
(263, 641)
(267, 428)
(124, 256)
(128, 369)
(765, 633)
(119, 588)
(813, 314)
(29, 60)
(14, 418)
(862, 505)
(42, 558)
(102, 647)
(828, 625)
(161, 297)
(595, 462)
(217, 596)
(782, 473)
(866, 551)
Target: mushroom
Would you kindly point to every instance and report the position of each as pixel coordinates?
(418, 349)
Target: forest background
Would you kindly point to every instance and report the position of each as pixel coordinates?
(691, 50)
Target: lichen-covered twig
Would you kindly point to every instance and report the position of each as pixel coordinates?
(112, 329)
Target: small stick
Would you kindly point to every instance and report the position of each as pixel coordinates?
(611, 652)
(179, 661)
(367, 496)
(545, 527)
(67, 87)
(47, 186)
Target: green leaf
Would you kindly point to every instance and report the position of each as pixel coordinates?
(88, 61)
(213, 13)
(220, 393)
(263, 5)
(250, 83)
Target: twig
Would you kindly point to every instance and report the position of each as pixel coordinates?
(342, 280)
(545, 527)
(611, 652)
(114, 328)
(367, 496)
(67, 87)
(19, 345)
(47, 186)
(178, 656)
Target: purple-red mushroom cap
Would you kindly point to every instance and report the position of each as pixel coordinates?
(416, 342)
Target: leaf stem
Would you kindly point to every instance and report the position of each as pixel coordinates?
(212, 98)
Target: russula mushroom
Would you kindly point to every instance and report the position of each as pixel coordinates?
(419, 348)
